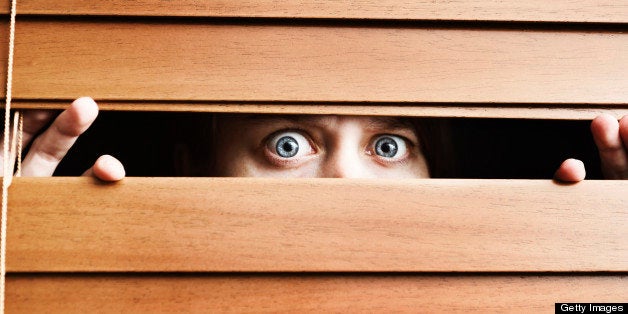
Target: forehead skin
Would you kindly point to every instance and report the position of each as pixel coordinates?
(239, 142)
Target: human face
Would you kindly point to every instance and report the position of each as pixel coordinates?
(318, 146)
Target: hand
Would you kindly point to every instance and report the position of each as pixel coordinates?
(611, 138)
(49, 148)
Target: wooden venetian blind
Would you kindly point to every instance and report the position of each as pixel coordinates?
(236, 244)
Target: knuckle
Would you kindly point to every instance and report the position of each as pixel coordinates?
(48, 153)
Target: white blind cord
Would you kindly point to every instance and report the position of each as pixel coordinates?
(8, 166)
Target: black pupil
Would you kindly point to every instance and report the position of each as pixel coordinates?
(386, 147)
(287, 147)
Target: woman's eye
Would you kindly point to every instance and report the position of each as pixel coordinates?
(289, 145)
(390, 146)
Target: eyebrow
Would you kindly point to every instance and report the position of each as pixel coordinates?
(265, 119)
(375, 123)
(390, 123)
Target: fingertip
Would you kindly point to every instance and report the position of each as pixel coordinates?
(108, 168)
(604, 122)
(606, 115)
(571, 170)
(85, 110)
(78, 117)
(605, 129)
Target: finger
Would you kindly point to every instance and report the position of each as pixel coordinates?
(50, 147)
(614, 160)
(107, 168)
(34, 120)
(571, 170)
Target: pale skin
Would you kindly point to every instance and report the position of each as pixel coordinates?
(310, 146)
(49, 148)
(318, 146)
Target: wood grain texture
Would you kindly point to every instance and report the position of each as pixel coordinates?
(249, 224)
(604, 11)
(580, 112)
(209, 62)
(201, 293)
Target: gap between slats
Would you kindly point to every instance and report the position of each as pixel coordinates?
(603, 11)
(305, 293)
(513, 111)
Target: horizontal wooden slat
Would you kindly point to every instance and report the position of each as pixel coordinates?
(208, 62)
(581, 112)
(606, 11)
(305, 293)
(254, 224)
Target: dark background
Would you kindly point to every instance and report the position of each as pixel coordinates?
(147, 142)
